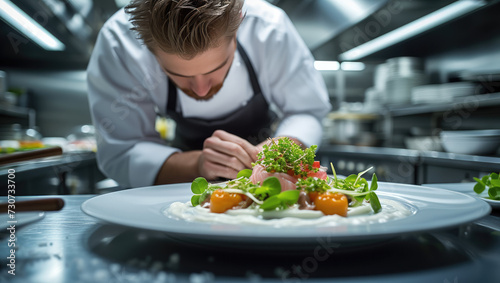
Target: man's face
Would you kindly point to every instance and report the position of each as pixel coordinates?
(202, 76)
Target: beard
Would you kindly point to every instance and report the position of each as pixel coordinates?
(214, 90)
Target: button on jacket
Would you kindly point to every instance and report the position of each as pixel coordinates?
(127, 87)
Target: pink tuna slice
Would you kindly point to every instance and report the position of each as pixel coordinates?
(287, 182)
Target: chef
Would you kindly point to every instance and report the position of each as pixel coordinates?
(226, 71)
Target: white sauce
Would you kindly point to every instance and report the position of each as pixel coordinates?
(291, 217)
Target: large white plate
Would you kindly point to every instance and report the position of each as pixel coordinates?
(142, 208)
(467, 188)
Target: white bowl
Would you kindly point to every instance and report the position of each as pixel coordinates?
(481, 142)
(423, 143)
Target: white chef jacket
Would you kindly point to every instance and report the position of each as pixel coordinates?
(126, 84)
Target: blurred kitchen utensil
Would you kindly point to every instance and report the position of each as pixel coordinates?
(46, 204)
(380, 80)
(425, 143)
(374, 100)
(474, 142)
(403, 73)
(29, 155)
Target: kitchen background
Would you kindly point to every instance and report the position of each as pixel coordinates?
(403, 75)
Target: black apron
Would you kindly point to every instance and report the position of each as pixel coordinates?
(252, 122)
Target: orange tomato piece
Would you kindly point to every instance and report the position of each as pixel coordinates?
(332, 203)
(222, 201)
(313, 196)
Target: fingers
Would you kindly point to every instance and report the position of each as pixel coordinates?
(231, 146)
(225, 154)
(212, 171)
(247, 147)
(216, 157)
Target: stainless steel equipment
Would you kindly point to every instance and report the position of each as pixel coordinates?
(403, 73)
(352, 128)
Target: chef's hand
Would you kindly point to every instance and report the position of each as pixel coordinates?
(224, 155)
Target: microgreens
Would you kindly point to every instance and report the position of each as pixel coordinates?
(492, 181)
(284, 155)
(312, 184)
(357, 188)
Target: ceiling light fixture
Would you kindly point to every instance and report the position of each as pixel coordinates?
(29, 27)
(352, 66)
(412, 29)
(326, 65)
(335, 66)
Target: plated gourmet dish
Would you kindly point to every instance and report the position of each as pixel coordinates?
(286, 186)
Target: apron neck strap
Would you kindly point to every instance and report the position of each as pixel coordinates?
(172, 89)
(251, 70)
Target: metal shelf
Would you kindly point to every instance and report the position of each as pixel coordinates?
(17, 115)
(468, 102)
(14, 111)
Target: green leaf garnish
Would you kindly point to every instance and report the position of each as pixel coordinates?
(492, 182)
(201, 190)
(289, 197)
(479, 188)
(271, 203)
(244, 173)
(375, 203)
(199, 185)
(195, 200)
(374, 184)
(494, 193)
(273, 184)
(270, 186)
(281, 201)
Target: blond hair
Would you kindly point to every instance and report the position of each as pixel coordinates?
(185, 27)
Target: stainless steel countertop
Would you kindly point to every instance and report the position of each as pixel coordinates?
(69, 246)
